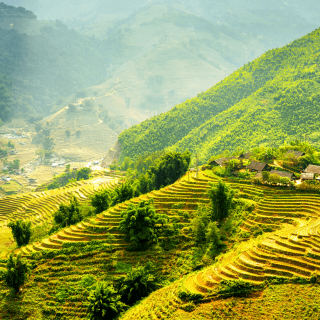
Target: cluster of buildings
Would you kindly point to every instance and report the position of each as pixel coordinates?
(310, 173)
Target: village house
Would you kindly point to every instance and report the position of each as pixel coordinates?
(258, 166)
(221, 162)
(245, 155)
(306, 176)
(284, 174)
(311, 168)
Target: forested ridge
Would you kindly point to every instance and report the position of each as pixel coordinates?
(43, 61)
(274, 98)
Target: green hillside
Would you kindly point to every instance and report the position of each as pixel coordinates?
(272, 99)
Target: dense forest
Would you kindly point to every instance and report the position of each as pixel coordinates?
(42, 61)
(273, 99)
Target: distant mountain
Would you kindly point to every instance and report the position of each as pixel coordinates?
(273, 99)
(42, 61)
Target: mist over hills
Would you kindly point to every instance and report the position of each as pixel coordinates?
(42, 61)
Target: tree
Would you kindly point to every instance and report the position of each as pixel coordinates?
(170, 167)
(48, 144)
(102, 200)
(17, 272)
(265, 175)
(104, 302)
(125, 192)
(221, 199)
(72, 108)
(67, 133)
(140, 224)
(138, 283)
(213, 236)
(200, 223)
(83, 174)
(21, 231)
(70, 214)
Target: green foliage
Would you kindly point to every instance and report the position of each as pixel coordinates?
(237, 288)
(83, 174)
(138, 283)
(102, 200)
(221, 199)
(21, 231)
(171, 167)
(70, 214)
(69, 176)
(213, 237)
(17, 272)
(274, 99)
(141, 224)
(200, 223)
(104, 302)
(124, 192)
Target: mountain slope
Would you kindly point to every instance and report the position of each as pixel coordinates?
(275, 97)
(44, 61)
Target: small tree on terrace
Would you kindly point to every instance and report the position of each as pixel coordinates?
(138, 283)
(102, 200)
(21, 231)
(104, 302)
(140, 224)
(17, 272)
(221, 199)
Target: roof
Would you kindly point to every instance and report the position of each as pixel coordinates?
(285, 174)
(222, 161)
(311, 168)
(258, 166)
(245, 155)
(296, 153)
(307, 176)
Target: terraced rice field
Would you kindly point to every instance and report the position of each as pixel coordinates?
(184, 195)
(38, 207)
(293, 250)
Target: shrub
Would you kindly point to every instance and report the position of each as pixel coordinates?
(17, 272)
(221, 199)
(141, 223)
(138, 283)
(21, 231)
(104, 302)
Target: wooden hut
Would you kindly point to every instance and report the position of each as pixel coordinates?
(221, 162)
(311, 168)
(306, 176)
(258, 166)
(284, 174)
